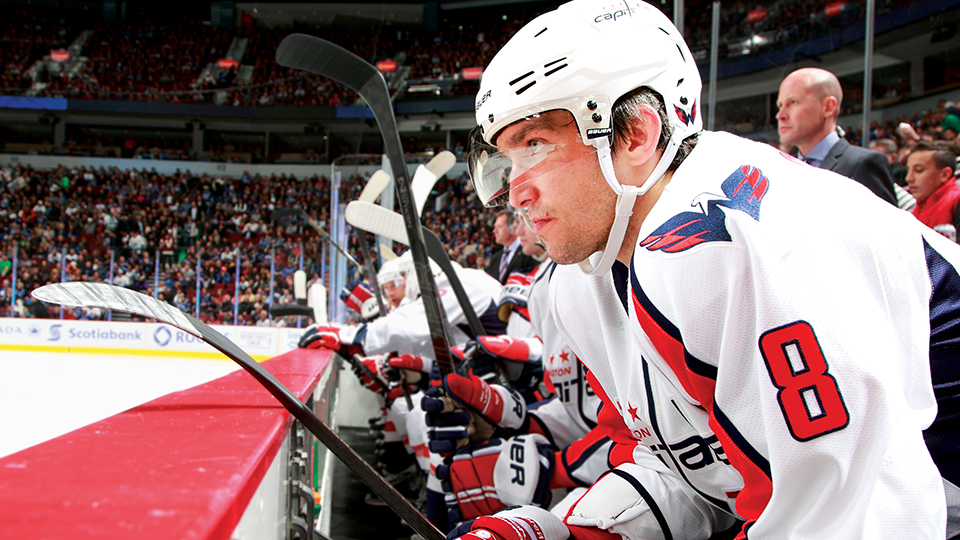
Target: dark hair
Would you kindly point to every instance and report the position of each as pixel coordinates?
(944, 155)
(625, 113)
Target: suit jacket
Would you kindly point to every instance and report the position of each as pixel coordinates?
(519, 261)
(868, 167)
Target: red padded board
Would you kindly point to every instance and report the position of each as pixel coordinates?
(180, 467)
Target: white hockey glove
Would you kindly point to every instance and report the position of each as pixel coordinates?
(518, 523)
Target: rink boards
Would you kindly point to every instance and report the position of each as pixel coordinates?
(148, 339)
(216, 459)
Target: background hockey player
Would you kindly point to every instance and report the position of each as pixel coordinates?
(404, 331)
(807, 342)
(481, 478)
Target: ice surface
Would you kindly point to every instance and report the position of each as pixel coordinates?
(44, 395)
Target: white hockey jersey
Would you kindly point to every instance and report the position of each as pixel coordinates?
(405, 329)
(801, 327)
(570, 419)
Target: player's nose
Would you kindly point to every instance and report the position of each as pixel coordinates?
(522, 193)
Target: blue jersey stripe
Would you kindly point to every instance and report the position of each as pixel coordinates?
(657, 512)
(740, 441)
(943, 437)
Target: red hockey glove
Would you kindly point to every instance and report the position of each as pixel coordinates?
(377, 365)
(345, 340)
(360, 299)
(500, 406)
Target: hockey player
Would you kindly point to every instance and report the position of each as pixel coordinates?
(563, 431)
(805, 329)
(404, 331)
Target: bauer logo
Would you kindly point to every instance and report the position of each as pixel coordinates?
(483, 99)
(161, 336)
(54, 332)
(599, 132)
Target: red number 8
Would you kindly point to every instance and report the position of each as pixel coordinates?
(809, 381)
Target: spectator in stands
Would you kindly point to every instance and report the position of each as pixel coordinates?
(809, 105)
(508, 257)
(950, 126)
(932, 181)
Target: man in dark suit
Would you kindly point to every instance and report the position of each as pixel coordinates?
(509, 257)
(809, 105)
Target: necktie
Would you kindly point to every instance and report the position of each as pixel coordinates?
(504, 259)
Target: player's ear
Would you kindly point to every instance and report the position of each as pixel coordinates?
(946, 174)
(830, 105)
(640, 144)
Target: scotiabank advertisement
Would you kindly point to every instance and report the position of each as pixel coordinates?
(138, 338)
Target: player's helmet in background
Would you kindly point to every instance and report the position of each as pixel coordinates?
(402, 268)
(391, 271)
(581, 58)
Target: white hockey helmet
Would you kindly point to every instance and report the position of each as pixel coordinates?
(581, 58)
(392, 271)
(402, 268)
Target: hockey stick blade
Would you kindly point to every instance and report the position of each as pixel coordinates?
(427, 175)
(281, 213)
(102, 295)
(318, 56)
(375, 185)
(284, 310)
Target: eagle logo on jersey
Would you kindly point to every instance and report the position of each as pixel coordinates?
(743, 190)
(687, 119)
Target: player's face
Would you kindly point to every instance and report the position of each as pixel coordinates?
(801, 118)
(529, 243)
(565, 196)
(501, 234)
(395, 292)
(923, 176)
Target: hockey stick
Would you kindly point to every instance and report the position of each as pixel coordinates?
(283, 310)
(375, 186)
(426, 177)
(357, 362)
(423, 181)
(281, 213)
(102, 295)
(371, 271)
(382, 222)
(321, 57)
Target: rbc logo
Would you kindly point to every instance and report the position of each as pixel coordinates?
(54, 332)
(161, 336)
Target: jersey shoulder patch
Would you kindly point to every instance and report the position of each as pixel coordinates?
(743, 190)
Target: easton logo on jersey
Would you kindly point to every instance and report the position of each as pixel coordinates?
(743, 190)
(684, 117)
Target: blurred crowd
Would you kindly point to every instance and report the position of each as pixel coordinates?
(148, 230)
(142, 60)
